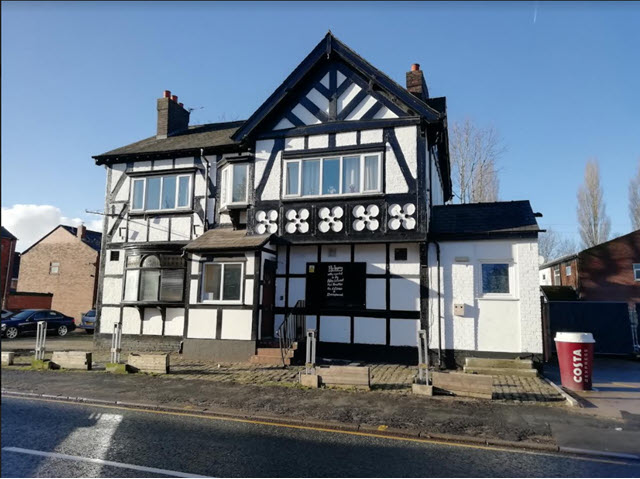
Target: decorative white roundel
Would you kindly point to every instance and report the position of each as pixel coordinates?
(402, 216)
(330, 219)
(297, 221)
(266, 222)
(365, 217)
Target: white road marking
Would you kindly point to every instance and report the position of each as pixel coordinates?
(101, 462)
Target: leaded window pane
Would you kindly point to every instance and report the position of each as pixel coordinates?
(495, 278)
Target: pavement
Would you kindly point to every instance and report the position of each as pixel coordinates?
(50, 439)
(616, 387)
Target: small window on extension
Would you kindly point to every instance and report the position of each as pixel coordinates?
(114, 256)
(400, 254)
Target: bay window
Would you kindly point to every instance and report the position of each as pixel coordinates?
(222, 282)
(154, 278)
(167, 192)
(234, 184)
(340, 175)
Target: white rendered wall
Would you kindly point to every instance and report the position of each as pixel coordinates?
(510, 323)
(202, 324)
(236, 324)
(545, 277)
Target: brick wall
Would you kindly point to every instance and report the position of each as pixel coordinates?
(606, 270)
(566, 279)
(73, 287)
(16, 301)
(6, 257)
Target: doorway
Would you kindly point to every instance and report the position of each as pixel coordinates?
(268, 299)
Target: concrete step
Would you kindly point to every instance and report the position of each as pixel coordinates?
(498, 363)
(271, 360)
(275, 352)
(501, 371)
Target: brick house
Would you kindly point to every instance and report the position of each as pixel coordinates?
(609, 271)
(327, 204)
(64, 263)
(7, 251)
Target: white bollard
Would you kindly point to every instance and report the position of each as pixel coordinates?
(41, 338)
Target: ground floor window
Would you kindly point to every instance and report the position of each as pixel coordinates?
(154, 278)
(495, 278)
(222, 281)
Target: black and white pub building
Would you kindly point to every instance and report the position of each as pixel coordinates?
(328, 202)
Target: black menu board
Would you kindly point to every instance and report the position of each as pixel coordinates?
(336, 286)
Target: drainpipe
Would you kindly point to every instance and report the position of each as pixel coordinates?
(206, 196)
(437, 245)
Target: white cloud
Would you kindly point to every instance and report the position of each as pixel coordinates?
(29, 223)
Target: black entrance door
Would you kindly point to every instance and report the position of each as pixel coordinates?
(268, 297)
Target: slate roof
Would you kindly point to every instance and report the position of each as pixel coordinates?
(92, 238)
(222, 239)
(483, 220)
(211, 135)
(7, 234)
(559, 293)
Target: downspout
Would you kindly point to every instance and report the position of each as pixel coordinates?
(439, 308)
(206, 196)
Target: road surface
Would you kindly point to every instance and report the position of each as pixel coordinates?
(52, 439)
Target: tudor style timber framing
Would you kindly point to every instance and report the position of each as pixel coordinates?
(333, 105)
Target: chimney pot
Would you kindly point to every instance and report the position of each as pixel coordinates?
(415, 67)
(181, 104)
(174, 98)
(416, 83)
(167, 94)
(81, 231)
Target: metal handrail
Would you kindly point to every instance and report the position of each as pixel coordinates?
(291, 330)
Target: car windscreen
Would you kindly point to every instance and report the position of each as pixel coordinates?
(22, 315)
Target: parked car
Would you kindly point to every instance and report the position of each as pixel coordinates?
(6, 313)
(88, 322)
(26, 322)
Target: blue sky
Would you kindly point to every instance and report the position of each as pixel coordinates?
(558, 81)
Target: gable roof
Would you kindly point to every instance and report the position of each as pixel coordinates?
(92, 239)
(331, 45)
(7, 234)
(483, 220)
(210, 136)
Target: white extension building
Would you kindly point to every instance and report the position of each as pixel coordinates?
(328, 204)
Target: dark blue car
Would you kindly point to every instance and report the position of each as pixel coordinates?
(26, 322)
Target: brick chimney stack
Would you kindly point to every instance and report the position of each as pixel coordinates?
(172, 116)
(416, 83)
(82, 232)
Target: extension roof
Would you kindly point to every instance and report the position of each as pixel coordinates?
(225, 238)
(502, 219)
(559, 293)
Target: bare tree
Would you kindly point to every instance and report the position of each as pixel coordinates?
(474, 155)
(552, 246)
(634, 200)
(593, 223)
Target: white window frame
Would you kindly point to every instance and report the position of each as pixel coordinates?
(567, 270)
(144, 192)
(226, 193)
(554, 270)
(636, 271)
(57, 271)
(322, 159)
(511, 295)
(222, 266)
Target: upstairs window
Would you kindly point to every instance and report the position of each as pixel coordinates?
(234, 184)
(567, 270)
(157, 193)
(636, 271)
(54, 267)
(154, 278)
(339, 175)
(556, 276)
